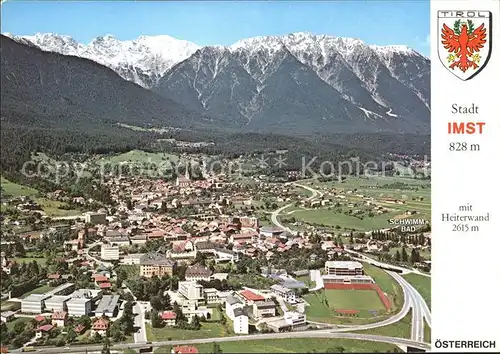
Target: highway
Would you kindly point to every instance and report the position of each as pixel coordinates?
(303, 334)
(419, 301)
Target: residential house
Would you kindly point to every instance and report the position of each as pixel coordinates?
(100, 326)
(169, 318)
(42, 330)
(59, 318)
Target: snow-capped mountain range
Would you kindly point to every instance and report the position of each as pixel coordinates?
(298, 81)
(142, 61)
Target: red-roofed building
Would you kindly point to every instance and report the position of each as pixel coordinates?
(54, 276)
(100, 278)
(251, 297)
(169, 317)
(40, 318)
(59, 318)
(100, 326)
(43, 330)
(105, 285)
(185, 349)
(245, 237)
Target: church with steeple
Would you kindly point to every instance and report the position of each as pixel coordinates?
(184, 181)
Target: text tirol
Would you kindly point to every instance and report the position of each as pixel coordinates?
(464, 14)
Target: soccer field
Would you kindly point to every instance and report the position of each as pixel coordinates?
(324, 303)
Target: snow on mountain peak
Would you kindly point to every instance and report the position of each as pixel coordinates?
(143, 60)
(388, 49)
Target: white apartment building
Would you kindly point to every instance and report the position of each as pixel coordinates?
(211, 296)
(191, 290)
(232, 303)
(240, 321)
(110, 253)
(287, 294)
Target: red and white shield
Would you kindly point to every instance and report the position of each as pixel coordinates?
(464, 41)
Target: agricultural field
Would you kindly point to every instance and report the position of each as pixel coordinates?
(51, 207)
(15, 190)
(422, 284)
(138, 156)
(333, 218)
(295, 345)
(360, 203)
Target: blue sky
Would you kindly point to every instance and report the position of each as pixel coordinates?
(224, 22)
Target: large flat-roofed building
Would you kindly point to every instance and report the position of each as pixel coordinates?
(264, 309)
(191, 290)
(95, 218)
(108, 306)
(348, 268)
(346, 279)
(156, 264)
(110, 253)
(57, 303)
(63, 289)
(287, 294)
(81, 302)
(34, 303)
(79, 306)
(289, 321)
